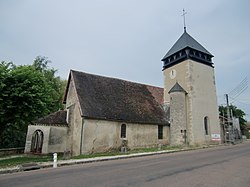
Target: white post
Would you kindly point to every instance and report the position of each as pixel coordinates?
(55, 160)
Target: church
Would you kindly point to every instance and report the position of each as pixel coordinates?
(103, 114)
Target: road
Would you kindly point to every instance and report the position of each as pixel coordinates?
(221, 166)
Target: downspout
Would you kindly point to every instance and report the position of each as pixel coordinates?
(81, 136)
(187, 135)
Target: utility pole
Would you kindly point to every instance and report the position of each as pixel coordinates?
(228, 111)
(229, 122)
(224, 127)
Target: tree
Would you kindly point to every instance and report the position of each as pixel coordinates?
(55, 82)
(4, 73)
(27, 93)
(238, 113)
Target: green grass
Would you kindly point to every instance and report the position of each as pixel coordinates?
(153, 149)
(18, 160)
(115, 152)
(11, 162)
(112, 153)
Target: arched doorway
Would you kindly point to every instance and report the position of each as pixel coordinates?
(37, 142)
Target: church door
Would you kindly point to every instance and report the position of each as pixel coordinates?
(37, 142)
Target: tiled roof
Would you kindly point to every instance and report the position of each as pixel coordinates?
(57, 118)
(119, 100)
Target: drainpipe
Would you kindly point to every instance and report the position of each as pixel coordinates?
(81, 136)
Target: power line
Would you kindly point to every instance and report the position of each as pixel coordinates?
(236, 100)
(245, 99)
(243, 82)
(238, 90)
(245, 107)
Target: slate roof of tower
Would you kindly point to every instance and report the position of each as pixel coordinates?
(118, 100)
(177, 88)
(56, 118)
(183, 42)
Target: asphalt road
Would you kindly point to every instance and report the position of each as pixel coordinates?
(221, 166)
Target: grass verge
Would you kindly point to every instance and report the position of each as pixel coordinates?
(115, 152)
(18, 160)
(14, 161)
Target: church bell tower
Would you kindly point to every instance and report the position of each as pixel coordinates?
(190, 65)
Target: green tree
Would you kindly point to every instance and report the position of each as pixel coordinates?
(41, 64)
(4, 73)
(27, 93)
(238, 113)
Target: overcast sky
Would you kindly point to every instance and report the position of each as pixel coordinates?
(127, 39)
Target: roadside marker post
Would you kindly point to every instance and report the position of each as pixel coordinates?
(55, 160)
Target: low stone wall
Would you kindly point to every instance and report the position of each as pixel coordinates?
(11, 151)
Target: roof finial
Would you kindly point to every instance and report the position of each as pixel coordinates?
(184, 13)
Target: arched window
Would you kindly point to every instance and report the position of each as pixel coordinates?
(37, 142)
(123, 131)
(206, 125)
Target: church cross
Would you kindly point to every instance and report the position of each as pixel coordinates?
(184, 13)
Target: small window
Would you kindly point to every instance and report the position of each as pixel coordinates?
(160, 131)
(206, 125)
(123, 131)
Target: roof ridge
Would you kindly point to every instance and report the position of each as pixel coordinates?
(120, 79)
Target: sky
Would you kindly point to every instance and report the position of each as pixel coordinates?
(127, 39)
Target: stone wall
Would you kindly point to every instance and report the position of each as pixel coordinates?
(178, 119)
(201, 101)
(11, 151)
(54, 138)
(57, 139)
(74, 121)
(102, 136)
(202, 95)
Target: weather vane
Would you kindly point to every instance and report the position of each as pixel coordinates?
(184, 13)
